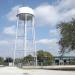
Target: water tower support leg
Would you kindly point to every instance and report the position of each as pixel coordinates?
(34, 41)
(25, 35)
(15, 43)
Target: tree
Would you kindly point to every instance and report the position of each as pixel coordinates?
(8, 59)
(28, 60)
(1, 61)
(67, 40)
(44, 58)
(18, 60)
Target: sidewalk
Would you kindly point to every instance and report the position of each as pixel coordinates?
(17, 71)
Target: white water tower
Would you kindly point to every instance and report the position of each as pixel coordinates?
(25, 31)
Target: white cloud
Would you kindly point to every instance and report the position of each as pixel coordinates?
(65, 5)
(47, 14)
(9, 30)
(11, 16)
(68, 15)
(47, 41)
(54, 33)
(3, 42)
(51, 15)
(50, 44)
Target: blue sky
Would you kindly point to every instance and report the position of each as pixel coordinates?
(48, 13)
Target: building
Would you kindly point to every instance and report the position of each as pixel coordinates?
(64, 60)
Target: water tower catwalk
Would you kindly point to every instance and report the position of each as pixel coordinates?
(25, 33)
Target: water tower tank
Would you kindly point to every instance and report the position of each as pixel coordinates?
(23, 11)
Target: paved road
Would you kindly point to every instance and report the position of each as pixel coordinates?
(17, 71)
